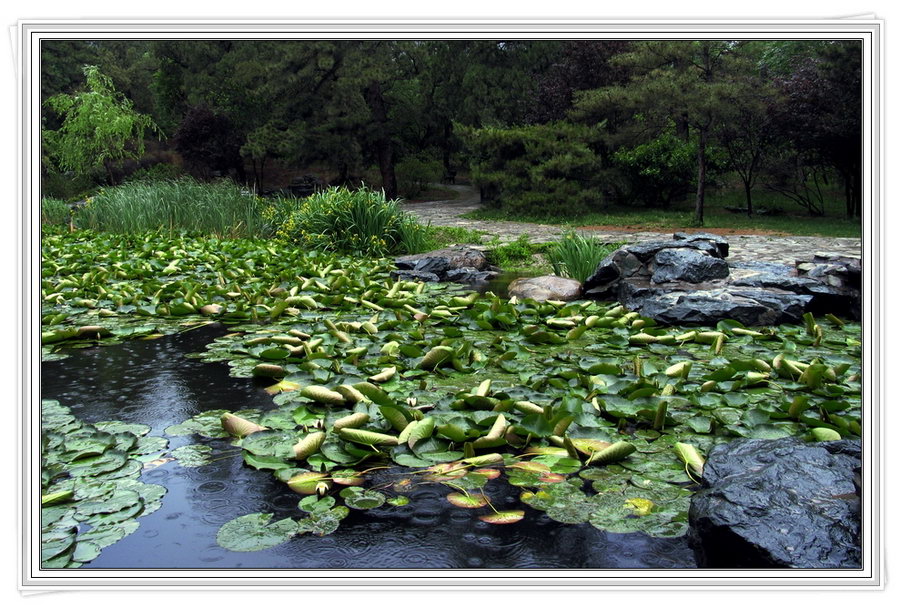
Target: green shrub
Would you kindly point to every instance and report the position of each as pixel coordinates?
(70, 186)
(220, 208)
(157, 172)
(443, 236)
(416, 173)
(350, 221)
(539, 170)
(576, 256)
(54, 212)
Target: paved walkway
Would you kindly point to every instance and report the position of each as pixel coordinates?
(742, 247)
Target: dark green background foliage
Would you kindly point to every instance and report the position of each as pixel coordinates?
(535, 169)
(560, 126)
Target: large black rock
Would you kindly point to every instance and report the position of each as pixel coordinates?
(779, 504)
(686, 281)
(688, 304)
(456, 264)
(689, 265)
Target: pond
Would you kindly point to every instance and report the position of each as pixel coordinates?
(151, 382)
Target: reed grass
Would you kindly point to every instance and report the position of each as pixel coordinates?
(54, 212)
(220, 208)
(576, 256)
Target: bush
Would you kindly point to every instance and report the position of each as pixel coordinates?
(155, 173)
(220, 208)
(55, 212)
(576, 256)
(70, 186)
(537, 170)
(658, 171)
(516, 254)
(349, 221)
(416, 173)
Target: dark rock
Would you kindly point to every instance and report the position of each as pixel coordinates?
(469, 275)
(687, 281)
(827, 297)
(439, 265)
(691, 305)
(457, 257)
(415, 275)
(621, 263)
(720, 242)
(549, 287)
(645, 251)
(688, 265)
(778, 504)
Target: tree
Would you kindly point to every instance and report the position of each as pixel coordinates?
(746, 132)
(208, 144)
(99, 127)
(820, 113)
(583, 65)
(690, 83)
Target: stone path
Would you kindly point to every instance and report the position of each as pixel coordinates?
(743, 247)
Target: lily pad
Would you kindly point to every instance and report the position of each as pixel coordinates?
(194, 455)
(255, 532)
(503, 517)
(467, 501)
(362, 499)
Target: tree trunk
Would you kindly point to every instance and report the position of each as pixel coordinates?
(701, 177)
(384, 147)
(749, 198)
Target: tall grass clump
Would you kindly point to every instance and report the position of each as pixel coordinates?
(359, 221)
(219, 208)
(576, 256)
(54, 212)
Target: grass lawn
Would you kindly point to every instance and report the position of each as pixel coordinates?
(782, 217)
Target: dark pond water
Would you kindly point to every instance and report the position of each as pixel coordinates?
(499, 284)
(151, 382)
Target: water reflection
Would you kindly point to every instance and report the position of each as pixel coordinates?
(151, 382)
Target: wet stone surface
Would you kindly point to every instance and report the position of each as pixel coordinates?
(777, 504)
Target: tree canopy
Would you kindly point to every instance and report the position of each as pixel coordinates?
(665, 117)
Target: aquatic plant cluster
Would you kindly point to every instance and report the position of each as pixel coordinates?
(598, 415)
(90, 493)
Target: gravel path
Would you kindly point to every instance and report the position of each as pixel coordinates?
(743, 247)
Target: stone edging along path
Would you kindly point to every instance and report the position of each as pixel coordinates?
(743, 247)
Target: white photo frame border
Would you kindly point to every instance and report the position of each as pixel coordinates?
(868, 31)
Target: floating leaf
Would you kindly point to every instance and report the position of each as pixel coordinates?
(503, 517)
(195, 455)
(467, 501)
(254, 532)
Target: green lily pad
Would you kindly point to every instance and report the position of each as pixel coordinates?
(359, 498)
(194, 455)
(255, 532)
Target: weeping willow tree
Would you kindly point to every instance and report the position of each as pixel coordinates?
(99, 127)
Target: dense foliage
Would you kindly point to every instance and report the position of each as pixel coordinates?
(784, 116)
(550, 169)
(99, 126)
(359, 221)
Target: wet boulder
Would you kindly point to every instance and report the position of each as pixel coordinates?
(457, 264)
(446, 259)
(720, 242)
(778, 503)
(686, 281)
(707, 304)
(415, 275)
(688, 265)
(549, 287)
